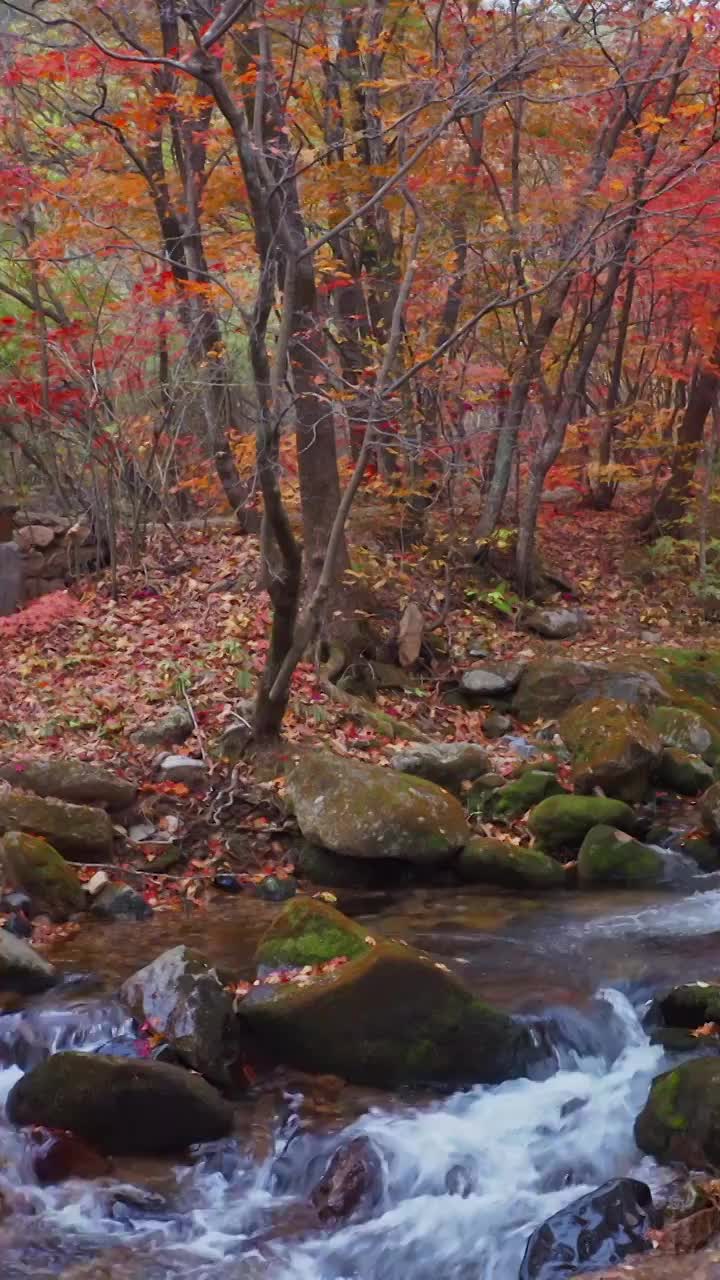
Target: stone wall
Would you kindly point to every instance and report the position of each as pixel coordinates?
(40, 551)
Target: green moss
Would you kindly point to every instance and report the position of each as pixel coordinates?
(611, 857)
(310, 932)
(520, 795)
(664, 1101)
(562, 822)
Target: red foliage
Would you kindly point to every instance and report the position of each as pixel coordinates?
(40, 615)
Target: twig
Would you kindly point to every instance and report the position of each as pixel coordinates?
(126, 871)
(198, 731)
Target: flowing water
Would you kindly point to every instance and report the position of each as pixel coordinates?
(583, 968)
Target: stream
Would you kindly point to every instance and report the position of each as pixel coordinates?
(583, 968)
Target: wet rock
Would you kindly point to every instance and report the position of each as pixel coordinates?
(366, 811)
(182, 998)
(703, 852)
(461, 1179)
(276, 888)
(556, 624)
(169, 731)
(487, 861)
(681, 1118)
(610, 856)
(389, 1016)
(59, 1156)
(187, 769)
(449, 764)
(72, 828)
(121, 902)
(496, 725)
(492, 680)
(686, 774)
(351, 1182)
(686, 730)
(19, 924)
(710, 809)
(322, 867)
(120, 1106)
(691, 1005)
(612, 747)
(514, 799)
(35, 868)
(598, 1230)
(310, 932)
(70, 780)
(227, 882)
(21, 968)
(562, 822)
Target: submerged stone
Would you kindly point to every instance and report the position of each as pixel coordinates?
(367, 811)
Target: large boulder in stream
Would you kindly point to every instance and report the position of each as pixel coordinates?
(449, 764)
(691, 1005)
(681, 1118)
(497, 862)
(597, 1230)
(612, 747)
(610, 856)
(21, 968)
(183, 999)
(367, 811)
(75, 829)
(562, 822)
(35, 868)
(70, 780)
(120, 1106)
(386, 1015)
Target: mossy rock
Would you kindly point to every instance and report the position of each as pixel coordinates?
(332, 870)
(513, 800)
(562, 822)
(549, 688)
(612, 747)
(487, 861)
(692, 671)
(686, 774)
(703, 852)
(691, 1005)
(121, 1106)
(34, 867)
(70, 780)
(681, 1118)
(309, 931)
(367, 811)
(609, 856)
(75, 829)
(710, 809)
(390, 1017)
(686, 730)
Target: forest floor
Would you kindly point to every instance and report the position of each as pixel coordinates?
(80, 672)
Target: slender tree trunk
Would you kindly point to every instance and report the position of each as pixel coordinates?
(671, 509)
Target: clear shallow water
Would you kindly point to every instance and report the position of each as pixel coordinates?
(240, 1210)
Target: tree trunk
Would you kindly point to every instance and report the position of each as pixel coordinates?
(671, 508)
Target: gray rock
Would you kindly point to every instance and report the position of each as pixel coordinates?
(497, 725)
(491, 681)
(556, 624)
(187, 769)
(21, 968)
(183, 999)
(121, 1106)
(172, 729)
(71, 828)
(120, 902)
(448, 764)
(70, 780)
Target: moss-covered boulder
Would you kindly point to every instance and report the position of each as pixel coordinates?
(21, 968)
(612, 747)
(70, 780)
(34, 867)
(686, 730)
(681, 1118)
(332, 870)
(182, 999)
(388, 1016)
(681, 772)
(514, 799)
(703, 852)
(691, 1005)
(449, 764)
(710, 810)
(121, 1106)
(549, 688)
(367, 811)
(309, 931)
(75, 829)
(610, 856)
(562, 822)
(487, 861)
